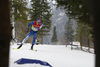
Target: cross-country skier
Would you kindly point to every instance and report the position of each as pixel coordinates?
(36, 26)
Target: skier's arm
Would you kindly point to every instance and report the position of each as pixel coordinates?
(31, 23)
(40, 27)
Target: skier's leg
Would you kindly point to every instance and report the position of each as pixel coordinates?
(34, 38)
(26, 38)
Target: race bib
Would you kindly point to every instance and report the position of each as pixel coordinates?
(34, 28)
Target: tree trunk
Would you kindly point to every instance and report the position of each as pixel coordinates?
(81, 42)
(5, 33)
(42, 40)
(94, 11)
(88, 44)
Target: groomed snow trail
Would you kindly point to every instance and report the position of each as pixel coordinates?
(55, 55)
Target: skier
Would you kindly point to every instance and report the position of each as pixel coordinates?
(36, 26)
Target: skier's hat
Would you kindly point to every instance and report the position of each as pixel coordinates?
(38, 18)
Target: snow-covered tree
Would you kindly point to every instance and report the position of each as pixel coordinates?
(54, 37)
(69, 32)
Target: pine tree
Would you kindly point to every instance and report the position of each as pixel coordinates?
(18, 10)
(36, 9)
(69, 32)
(41, 9)
(18, 14)
(77, 10)
(82, 30)
(54, 37)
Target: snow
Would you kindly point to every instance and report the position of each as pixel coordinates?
(55, 55)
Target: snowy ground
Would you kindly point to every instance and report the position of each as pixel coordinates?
(55, 55)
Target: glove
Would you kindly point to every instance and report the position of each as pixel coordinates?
(38, 29)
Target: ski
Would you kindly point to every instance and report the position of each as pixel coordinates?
(30, 49)
(34, 50)
(15, 48)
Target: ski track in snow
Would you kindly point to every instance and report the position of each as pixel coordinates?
(55, 55)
